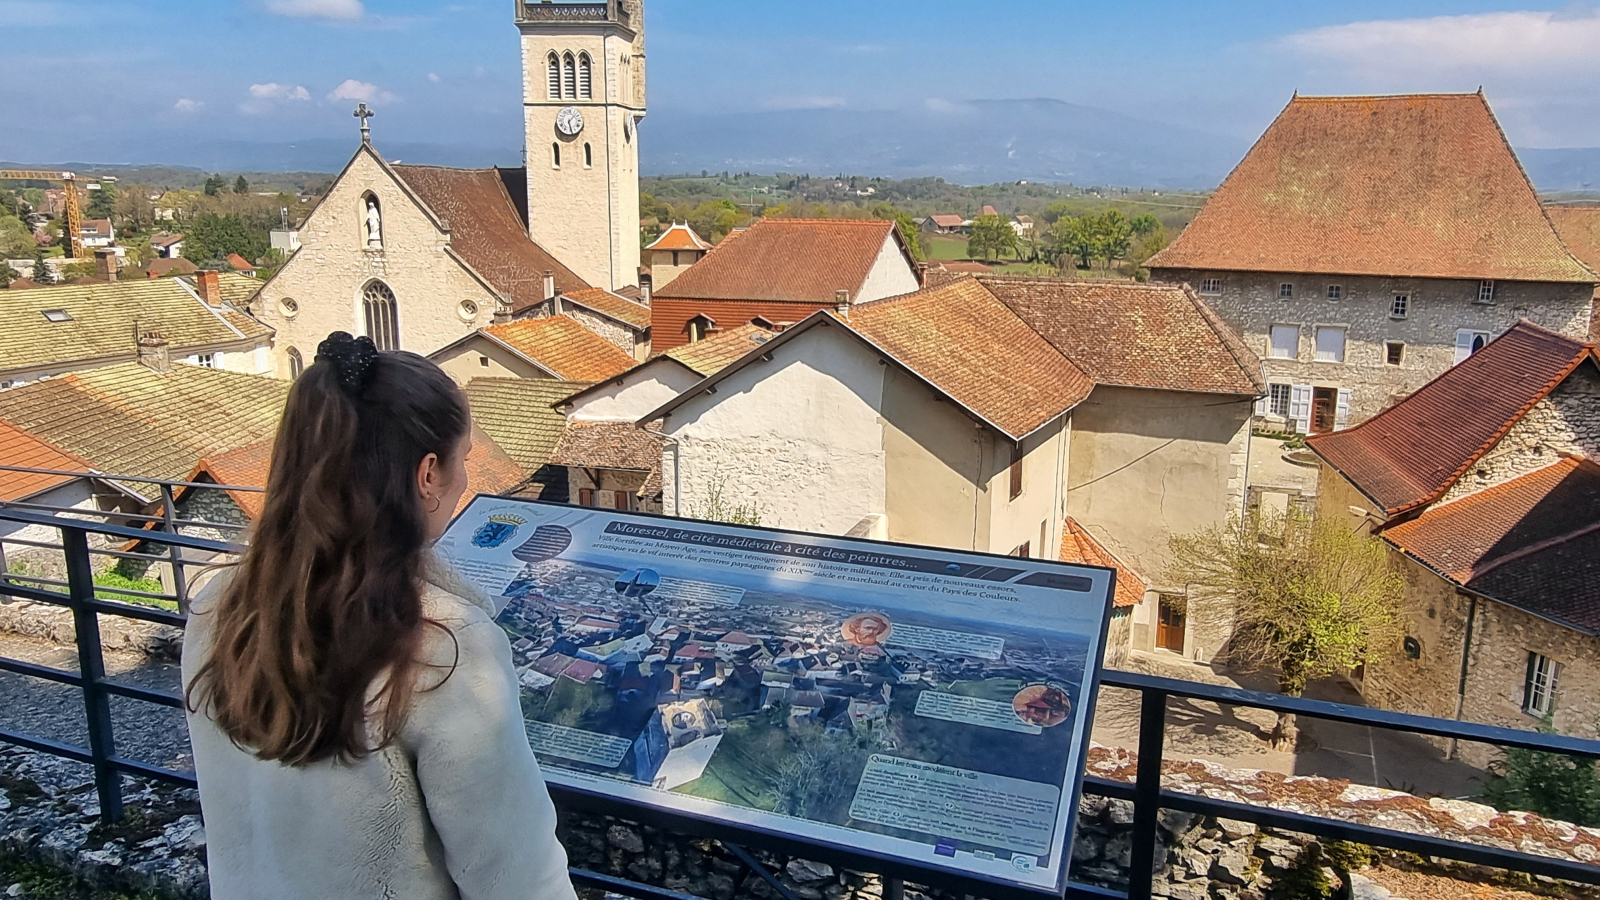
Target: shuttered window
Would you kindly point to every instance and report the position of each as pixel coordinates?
(555, 77)
(585, 78)
(1016, 472)
(1469, 342)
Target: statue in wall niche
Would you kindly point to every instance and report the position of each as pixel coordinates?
(374, 225)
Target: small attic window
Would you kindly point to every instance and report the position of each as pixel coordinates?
(57, 315)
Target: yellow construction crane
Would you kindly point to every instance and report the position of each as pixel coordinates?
(69, 202)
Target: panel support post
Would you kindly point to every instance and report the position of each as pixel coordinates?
(1147, 793)
(92, 669)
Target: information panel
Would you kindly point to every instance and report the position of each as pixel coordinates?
(925, 705)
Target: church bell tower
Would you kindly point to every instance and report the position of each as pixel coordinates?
(583, 86)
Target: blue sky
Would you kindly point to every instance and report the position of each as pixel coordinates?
(81, 74)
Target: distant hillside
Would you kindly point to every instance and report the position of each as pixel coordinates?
(1570, 169)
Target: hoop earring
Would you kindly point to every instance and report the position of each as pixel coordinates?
(435, 505)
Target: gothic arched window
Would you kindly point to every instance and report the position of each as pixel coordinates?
(296, 364)
(555, 77)
(585, 78)
(383, 315)
(569, 77)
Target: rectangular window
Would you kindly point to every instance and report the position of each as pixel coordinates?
(1399, 306)
(1469, 342)
(1285, 291)
(1330, 343)
(483, 361)
(585, 496)
(1211, 285)
(1335, 292)
(1016, 471)
(1539, 693)
(1278, 400)
(1486, 291)
(207, 360)
(1395, 353)
(1285, 342)
(622, 500)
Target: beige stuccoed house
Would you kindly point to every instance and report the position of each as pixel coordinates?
(983, 414)
(1366, 244)
(1484, 485)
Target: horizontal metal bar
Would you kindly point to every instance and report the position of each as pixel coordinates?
(1105, 787)
(637, 889)
(1356, 715)
(142, 694)
(103, 607)
(34, 670)
(131, 534)
(104, 515)
(1340, 830)
(1077, 890)
(45, 745)
(158, 773)
(135, 478)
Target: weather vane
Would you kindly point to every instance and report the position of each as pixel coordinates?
(364, 114)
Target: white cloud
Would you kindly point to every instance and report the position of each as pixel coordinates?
(275, 91)
(433, 77)
(366, 92)
(806, 102)
(1528, 42)
(187, 105)
(345, 10)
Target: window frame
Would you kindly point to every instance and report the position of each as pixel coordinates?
(585, 77)
(1014, 471)
(1286, 290)
(553, 76)
(1475, 333)
(207, 360)
(1335, 292)
(381, 314)
(1399, 304)
(1390, 355)
(1485, 291)
(297, 363)
(1273, 407)
(1210, 286)
(1272, 341)
(1344, 343)
(1540, 684)
(555, 154)
(569, 76)
(588, 155)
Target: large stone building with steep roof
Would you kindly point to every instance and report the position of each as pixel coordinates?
(779, 271)
(1366, 244)
(1484, 485)
(981, 414)
(1579, 227)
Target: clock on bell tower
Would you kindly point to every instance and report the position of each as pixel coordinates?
(583, 84)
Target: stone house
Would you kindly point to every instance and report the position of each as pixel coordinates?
(548, 347)
(672, 253)
(1366, 244)
(47, 332)
(414, 257)
(520, 415)
(1483, 484)
(620, 319)
(981, 414)
(777, 272)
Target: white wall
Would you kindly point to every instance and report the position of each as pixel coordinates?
(634, 394)
(799, 436)
(891, 275)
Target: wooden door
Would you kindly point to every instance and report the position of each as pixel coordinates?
(1324, 407)
(1170, 629)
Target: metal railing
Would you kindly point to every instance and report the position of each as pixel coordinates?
(1145, 792)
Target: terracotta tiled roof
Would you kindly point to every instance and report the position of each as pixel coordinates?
(786, 260)
(707, 357)
(97, 227)
(488, 228)
(490, 469)
(519, 414)
(1419, 186)
(1412, 452)
(1579, 228)
(1079, 546)
(1134, 335)
(19, 448)
(240, 263)
(159, 268)
(989, 211)
(1533, 542)
(608, 445)
(602, 301)
(947, 221)
(564, 346)
(679, 237)
(104, 316)
(129, 420)
(163, 241)
(964, 341)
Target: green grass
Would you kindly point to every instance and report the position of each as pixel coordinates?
(110, 579)
(741, 770)
(41, 882)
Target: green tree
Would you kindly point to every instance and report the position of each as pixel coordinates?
(906, 225)
(1311, 599)
(7, 274)
(1112, 235)
(1144, 224)
(214, 185)
(990, 237)
(1553, 785)
(41, 272)
(1074, 239)
(102, 202)
(210, 236)
(241, 186)
(16, 239)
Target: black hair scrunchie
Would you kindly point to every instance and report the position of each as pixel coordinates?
(354, 358)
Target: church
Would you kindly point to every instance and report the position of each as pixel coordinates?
(418, 257)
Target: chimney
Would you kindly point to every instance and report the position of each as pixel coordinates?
(153, 351)
(551, 295)
(646, 288)
(209, 285)
(841, 303)
(105, 264)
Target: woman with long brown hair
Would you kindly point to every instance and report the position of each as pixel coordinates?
(352, 705)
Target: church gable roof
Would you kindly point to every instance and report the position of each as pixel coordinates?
(1420, 185)
(488, 229)
(787, 261)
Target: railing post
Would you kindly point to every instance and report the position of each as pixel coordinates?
(180, 581)
(894, 888)
(92, 669)
(1147, 793)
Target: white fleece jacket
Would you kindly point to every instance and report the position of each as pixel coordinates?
(455, 807)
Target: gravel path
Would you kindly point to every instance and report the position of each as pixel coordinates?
(147, 733)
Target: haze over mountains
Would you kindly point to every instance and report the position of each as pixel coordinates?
(968, 142)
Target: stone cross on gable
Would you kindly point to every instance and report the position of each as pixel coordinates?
(364, 114)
